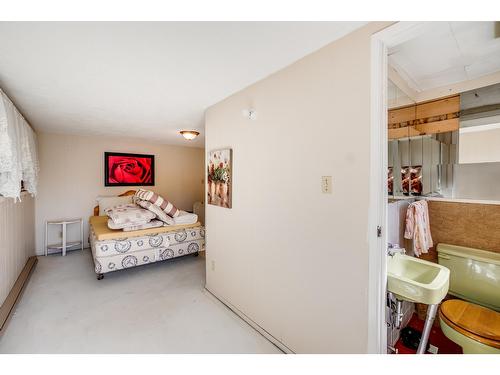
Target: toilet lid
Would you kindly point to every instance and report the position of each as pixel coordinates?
(473, 320)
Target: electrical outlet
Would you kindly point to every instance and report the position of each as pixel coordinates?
(326, 184)
(212, 265)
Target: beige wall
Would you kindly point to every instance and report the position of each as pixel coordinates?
(72, 176)
(479, 146)
(477, 181)
(292, 259)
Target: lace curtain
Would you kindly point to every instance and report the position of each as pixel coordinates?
(18, 152)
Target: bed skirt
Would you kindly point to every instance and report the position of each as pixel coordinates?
(114, 255)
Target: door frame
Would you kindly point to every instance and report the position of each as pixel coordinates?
(377, 288)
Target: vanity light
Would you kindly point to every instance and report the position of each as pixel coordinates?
(189, 134)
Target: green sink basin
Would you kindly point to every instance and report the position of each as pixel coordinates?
(417, 280)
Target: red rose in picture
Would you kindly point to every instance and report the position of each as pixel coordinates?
(129, 169)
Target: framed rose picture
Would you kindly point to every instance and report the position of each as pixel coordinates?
(219, 177)
(122, 169)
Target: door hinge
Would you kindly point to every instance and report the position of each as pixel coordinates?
(379, 231)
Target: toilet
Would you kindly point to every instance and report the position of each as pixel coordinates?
(473, 321)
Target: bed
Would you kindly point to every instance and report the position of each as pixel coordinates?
(114, 250)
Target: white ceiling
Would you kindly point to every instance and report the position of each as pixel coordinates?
(396, 97)
(144, 79)
(447, 53)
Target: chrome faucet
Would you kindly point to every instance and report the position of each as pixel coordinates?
(393, 249)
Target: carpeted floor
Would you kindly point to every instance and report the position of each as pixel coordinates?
(158, 308)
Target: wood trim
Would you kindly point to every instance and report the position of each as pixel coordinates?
(433, 117)
(434, 127)
(395, 108)
(438, 107)
(12, 298)
(127, 193)
(420, 102)
(407, 131)
(443, 97)
(405, 115)
(438, 126)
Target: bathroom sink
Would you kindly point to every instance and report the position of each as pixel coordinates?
(417, 280)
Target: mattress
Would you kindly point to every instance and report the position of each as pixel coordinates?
(101, 230)
(149, 241)
(115, 254)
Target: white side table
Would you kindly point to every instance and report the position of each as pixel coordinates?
(64, 245)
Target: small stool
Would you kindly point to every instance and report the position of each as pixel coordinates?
(64, 245)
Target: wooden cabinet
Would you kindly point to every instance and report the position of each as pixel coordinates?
(436, 116)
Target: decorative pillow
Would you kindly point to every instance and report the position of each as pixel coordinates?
(108, 202)
(158, 200)
(129, 214)
(151, 224)
(160, 214)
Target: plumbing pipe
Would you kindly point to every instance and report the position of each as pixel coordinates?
(429, 320)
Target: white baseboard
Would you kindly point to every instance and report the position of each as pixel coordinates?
(253, 324)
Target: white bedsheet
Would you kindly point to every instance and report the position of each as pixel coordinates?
(185, 218)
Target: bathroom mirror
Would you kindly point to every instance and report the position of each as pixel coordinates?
(426, 164)
(480, 126)
(399, 141)
(477, 170)
(461, 164)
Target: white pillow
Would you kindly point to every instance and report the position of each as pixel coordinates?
(113, 225)
(108, 202)
(151, 224)
(160, 214)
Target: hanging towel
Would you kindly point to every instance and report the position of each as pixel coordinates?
(418, 228)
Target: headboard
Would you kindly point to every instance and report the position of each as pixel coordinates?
(128, 192)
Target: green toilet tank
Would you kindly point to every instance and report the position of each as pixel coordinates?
(474, 274)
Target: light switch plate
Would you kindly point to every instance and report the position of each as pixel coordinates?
(326, 184)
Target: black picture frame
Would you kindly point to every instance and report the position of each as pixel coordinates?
(107, 156)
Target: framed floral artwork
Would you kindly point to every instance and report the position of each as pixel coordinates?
(121, 169)
(219, 177)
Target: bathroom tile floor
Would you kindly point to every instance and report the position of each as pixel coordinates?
(436, 338)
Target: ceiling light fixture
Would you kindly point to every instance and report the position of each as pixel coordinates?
(250, 114)
(189, 134)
